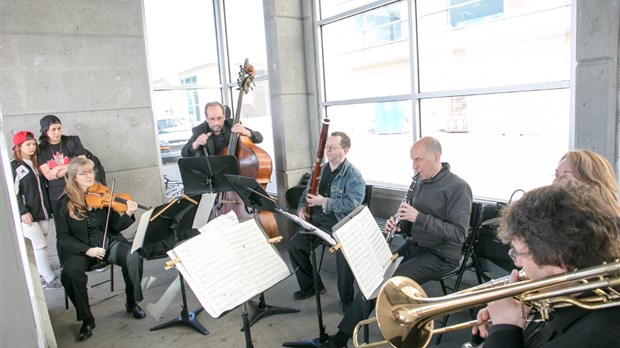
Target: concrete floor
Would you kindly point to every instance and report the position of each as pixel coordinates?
(162, 302)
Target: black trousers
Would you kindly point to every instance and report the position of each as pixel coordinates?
(74, 278)
(299, 249)
(419, 264)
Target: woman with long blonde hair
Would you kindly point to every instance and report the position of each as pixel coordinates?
(591, 169)
(81, 244)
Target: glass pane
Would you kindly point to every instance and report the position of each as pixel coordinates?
(482, 43)
(245, 32)
(333, 7)
(502, 142)
(368, 55)
(176, 113)
(181, 39)
(380, 139)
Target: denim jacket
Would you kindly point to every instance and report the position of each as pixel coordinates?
(347, 191)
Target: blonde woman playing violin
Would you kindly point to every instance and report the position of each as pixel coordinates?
(80, 237)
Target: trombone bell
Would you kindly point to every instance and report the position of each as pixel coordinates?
(397, 296)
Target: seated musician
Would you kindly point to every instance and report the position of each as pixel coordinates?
(341, 189)
(436, 218)
(80, 229)
(552, 230)
(210, 137)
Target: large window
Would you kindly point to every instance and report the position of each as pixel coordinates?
(489, 78)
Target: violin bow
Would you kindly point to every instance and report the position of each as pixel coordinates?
(107, 219)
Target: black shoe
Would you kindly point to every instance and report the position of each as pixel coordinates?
(87, 329)
(331, 344)
(302, 295)
(135, 310)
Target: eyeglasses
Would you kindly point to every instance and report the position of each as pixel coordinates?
(86, 172)
(514, 254)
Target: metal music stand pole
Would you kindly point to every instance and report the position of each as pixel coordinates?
(187, 318)
(323, 338)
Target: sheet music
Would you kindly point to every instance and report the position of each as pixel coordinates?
(309, 227)
(204, 209)
(365, 249)
(229, 263)
(138, 238)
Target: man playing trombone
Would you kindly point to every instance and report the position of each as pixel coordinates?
(553, 230)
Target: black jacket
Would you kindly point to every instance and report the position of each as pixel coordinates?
(212, 147)
(568, 327)
(73, 234)
(31, 190)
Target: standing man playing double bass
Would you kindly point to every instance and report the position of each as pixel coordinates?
(213, 135)
(341, 190)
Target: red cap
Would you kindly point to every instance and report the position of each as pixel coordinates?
(21, 137)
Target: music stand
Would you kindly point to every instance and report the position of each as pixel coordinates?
(175, 220)
(206, 174)
(254, 195)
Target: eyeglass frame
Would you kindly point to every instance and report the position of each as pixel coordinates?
(86, 172)
(513, 254)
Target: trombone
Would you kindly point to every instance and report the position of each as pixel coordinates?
(405, 314)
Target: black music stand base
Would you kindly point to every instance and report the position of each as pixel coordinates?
(323, 339)
(262, 310)
(186, 318)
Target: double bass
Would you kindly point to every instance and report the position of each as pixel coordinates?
(253, 161)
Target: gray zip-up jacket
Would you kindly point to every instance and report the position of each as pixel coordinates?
(444, 203)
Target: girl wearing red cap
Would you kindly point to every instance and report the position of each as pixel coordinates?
(33, 203)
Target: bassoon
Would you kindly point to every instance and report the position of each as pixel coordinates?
(316, 169)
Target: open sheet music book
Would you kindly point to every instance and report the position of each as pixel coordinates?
(365, 249)
(309, 228)
(229, 263)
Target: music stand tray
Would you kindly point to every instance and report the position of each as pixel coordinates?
(206, 174)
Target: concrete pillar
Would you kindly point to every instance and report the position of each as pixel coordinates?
(598, 71)
(294, 103)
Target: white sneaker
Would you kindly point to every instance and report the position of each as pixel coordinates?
(54, 284)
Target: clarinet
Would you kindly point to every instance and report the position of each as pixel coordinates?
(408, 196)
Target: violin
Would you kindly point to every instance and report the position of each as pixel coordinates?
(99, 196)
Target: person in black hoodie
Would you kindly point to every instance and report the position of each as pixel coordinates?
(436, 219)
(210, 137)
(33, 202)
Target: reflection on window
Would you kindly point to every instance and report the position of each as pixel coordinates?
(379, 26)
(464, 12)
(193, 109)
(380, 139)
(367, 55)
(498, 142)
